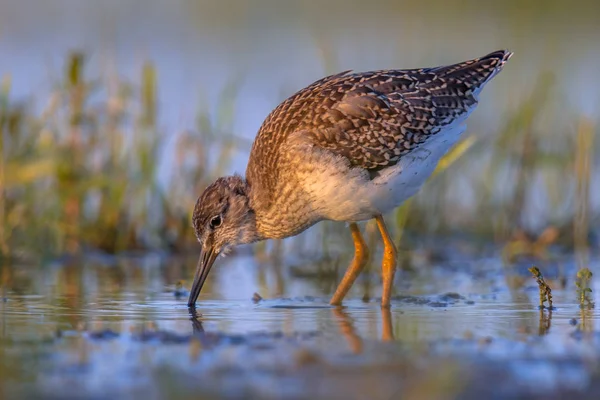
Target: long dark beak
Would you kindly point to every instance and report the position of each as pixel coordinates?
(207, 258)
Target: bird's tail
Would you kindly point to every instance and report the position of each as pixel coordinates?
(477, 72)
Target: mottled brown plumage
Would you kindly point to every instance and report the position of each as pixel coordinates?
(349, 147)
(372, 118)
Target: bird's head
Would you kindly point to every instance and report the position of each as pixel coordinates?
(222, 218)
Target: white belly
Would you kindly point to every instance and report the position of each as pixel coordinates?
(343, 196)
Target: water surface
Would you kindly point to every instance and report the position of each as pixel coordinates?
(96, 329)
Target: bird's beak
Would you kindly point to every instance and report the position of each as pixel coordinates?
(207, 258)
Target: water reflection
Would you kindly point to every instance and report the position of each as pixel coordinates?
(347, 329)
(197, 328)
(78, 296)
(545, 322)
(90, 318)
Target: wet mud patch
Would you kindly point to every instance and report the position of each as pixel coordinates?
(307, 302)
(300, 302)
(442, 300)
(206, 338)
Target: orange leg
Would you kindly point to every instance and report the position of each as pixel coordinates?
(388, 264)
(361, 254)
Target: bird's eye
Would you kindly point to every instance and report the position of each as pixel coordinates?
(215, 221)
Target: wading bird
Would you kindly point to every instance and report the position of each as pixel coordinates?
(350, 147)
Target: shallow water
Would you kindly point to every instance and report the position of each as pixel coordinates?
(99, 328)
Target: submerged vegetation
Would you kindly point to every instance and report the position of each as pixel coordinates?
(584, 277)
(545, 290)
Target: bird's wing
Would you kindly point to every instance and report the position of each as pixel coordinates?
(375, 118)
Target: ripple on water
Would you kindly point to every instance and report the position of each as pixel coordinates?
(142, 341)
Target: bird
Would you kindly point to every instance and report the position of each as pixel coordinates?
(349, 147)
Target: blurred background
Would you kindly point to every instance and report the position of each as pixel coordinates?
(114, 115)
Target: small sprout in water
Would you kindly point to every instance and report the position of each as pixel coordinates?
(256, 298)
(179, 290)
(545, 291)
(584, 276)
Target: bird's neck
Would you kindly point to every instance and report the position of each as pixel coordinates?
(261, 206)
(272, 213)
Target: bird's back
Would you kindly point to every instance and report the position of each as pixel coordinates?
(372, 118)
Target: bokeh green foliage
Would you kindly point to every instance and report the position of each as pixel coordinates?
(83, 173)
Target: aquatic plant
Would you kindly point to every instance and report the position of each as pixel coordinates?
(584, 276)
(545, 291)
(584, 145)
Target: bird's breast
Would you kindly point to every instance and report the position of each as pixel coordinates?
(342, 193)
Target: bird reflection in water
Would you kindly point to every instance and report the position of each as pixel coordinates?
(348, 330)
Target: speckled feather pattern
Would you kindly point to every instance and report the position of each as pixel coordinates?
(349, 147)
(370, 120)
